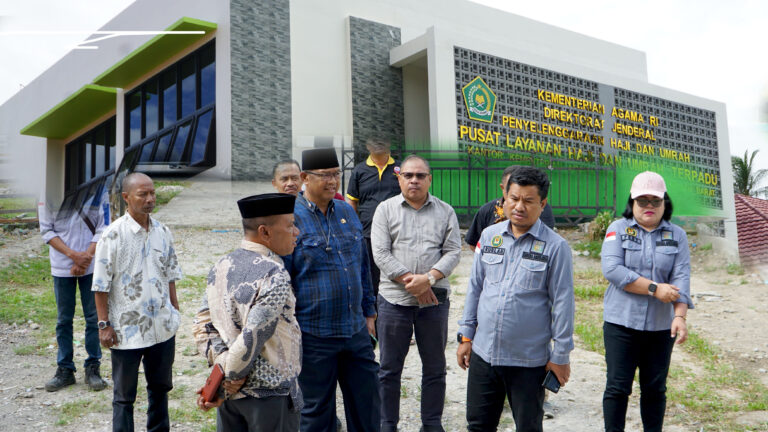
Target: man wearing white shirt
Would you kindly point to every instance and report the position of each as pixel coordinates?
(134, 280)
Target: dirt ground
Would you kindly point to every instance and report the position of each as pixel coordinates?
(730, 312)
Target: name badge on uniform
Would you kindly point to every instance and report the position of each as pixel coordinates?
(666, 239)
(493, 250)
(631, 235)
(537, 252)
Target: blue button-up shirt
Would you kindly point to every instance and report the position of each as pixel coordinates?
(329, 270)
(662, 255)
(520, 298)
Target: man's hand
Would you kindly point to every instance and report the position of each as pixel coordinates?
(679, 329)
(417, 284)
(427, 298)
(81, 259)
(562, 372)
(108, 337)
(76, 270)
(205, 406)
(463, 354)
(370, 323)
(233, 386)
(667, 293)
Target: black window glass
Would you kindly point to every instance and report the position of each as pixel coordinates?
(177, 151)
(146, 151)
(162, 147)
(73, 166)
(188, 99)
(110, 139)
(197, 154)
(169, 97)
(134, 117)
(101, 151)
(151, 106)
(207, 76)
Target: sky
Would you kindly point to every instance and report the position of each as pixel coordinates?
(709, 48)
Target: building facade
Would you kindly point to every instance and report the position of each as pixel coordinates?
(471, 88)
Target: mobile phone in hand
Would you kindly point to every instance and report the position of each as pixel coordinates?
(551, 383)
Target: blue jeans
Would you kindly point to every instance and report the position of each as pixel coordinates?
(351, 362)
(65, 289)
(396, 324)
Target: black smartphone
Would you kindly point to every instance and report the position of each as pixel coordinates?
(374, 341)
(551, 383)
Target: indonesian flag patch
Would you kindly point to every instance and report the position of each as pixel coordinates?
(477, 248)
(610, 236)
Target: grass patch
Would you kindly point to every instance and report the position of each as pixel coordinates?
(71, 411)
(191, 287)
(589, 292)
(9, 204)
(706, 247)
(593, 247)
(25, 350)
(188, 412)
(164, 197)
(25, 287)
(734, 269)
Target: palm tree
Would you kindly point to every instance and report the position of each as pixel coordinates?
(745, 178)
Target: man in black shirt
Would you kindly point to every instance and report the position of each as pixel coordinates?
(493, 212)
(373, 181)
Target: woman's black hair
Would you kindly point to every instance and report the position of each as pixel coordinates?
(667, 208)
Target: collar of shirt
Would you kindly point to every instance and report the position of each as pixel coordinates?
(260, 248)
(381, 170)
(313, 207)
(534, 230)
(134, 226)
(401, 201)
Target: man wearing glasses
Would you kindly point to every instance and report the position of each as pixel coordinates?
(334, 302)
(416, 244)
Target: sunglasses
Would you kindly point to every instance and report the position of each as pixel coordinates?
(410, 175)
(642, 202)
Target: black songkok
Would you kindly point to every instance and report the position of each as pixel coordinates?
(320, 158)
(268, 204)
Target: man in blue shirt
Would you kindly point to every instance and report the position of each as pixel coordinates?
(520, 298)
(334, 302)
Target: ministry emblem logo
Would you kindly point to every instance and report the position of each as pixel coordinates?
(480, 100)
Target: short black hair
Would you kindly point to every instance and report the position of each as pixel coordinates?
(628, 214)
(528, 176)
(253, 224)
(283, 163)
(411, 157)
(507, 172)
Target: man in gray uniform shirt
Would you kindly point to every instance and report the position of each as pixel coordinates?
(416, 244)
(520, 298)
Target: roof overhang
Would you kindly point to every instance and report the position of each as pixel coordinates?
(74, 113)
(155, 52)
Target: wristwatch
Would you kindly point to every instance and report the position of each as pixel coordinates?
(431, 278)
(460, 338)
(652, 289)
(104, 324)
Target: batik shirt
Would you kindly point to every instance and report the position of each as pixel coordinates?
(134, 266)
(247, 323)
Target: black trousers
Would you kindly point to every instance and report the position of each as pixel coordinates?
(375, 272)
(627, 350)
(158, 365)
(487, 386)
(250, 414)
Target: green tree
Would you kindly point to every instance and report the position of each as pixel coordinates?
(745, 176)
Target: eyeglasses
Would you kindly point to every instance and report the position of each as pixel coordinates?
(642, 202)
(410, 175)
(326, 176)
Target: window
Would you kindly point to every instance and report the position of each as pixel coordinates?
(90, 156)
(170, 118)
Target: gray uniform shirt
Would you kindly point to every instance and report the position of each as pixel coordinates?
(520, 298)
(661, 255)
(405, 240)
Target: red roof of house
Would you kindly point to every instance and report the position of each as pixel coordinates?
(752, 225)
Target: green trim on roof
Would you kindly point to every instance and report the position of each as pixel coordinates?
(72, 114)
(153, 53)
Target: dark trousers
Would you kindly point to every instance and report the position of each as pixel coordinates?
(65, 289)
(351, 362)
(158, 364)
(487, 386)
(625, 351)
(375, 272)
(250, 414)
(395, 325)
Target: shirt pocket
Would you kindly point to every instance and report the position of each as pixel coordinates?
(313, 248)
(531, 275)
(664, 259)
(351, 244)
(494, 267)
(633, 255)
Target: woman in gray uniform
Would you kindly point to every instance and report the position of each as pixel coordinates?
(646, 260)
